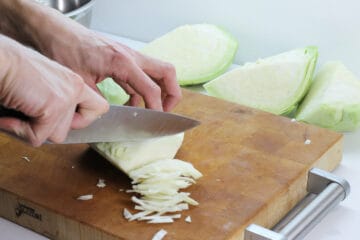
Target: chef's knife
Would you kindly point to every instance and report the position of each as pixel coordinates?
(124, 123)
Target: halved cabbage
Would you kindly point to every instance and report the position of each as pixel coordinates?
(275, 84)
(199, 52)
(334, 99)
(127, 155)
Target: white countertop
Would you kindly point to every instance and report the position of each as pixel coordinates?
(340, 224)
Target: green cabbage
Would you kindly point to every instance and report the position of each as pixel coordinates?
(334, 99)
(199, 52)
(275, 84)
(128, 156)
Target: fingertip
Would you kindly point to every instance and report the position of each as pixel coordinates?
(154, 106)
(153, 98)
(169, 103)
(95, 101)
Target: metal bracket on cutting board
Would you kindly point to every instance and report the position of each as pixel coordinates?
(325, 192)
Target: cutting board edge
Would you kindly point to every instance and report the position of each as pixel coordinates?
(297, 191)
(47, 222)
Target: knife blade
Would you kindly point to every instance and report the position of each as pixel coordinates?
(123, 123)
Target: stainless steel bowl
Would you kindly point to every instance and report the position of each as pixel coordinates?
(79, 10)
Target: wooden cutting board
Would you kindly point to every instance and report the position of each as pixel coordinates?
(254, 164)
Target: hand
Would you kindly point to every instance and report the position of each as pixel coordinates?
(55, 98)
(95, 58)
(91, 56)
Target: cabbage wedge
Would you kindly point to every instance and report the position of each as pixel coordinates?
(199, 52)
(334, 99)
(275, 84)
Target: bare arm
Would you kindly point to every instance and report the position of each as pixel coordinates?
(90, 55)
(21, 20)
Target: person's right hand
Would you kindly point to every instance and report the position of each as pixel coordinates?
(52, 96)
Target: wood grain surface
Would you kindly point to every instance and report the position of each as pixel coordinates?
(254, 164)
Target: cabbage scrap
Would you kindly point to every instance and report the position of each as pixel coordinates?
(158, 184)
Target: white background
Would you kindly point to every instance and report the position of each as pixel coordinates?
(262, 28)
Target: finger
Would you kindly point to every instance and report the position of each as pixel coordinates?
(89, 108)
(165, 75)
(20, 129)
(93, 86)
(165, 97)
(62, 128)
(135, 98)
(142, 84)
(43, 126)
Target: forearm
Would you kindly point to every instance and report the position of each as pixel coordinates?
(16, 20)
(33, 24)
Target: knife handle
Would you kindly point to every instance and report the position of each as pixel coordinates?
(8, 112)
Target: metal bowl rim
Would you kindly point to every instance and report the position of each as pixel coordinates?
(81, 9)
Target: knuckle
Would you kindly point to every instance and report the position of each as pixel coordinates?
(77, 83)
(125, 61)
(178, 95)
(123, 73)
(47, 112)
(169, 70)
(65, 96)
(154, 90)
(121, 57)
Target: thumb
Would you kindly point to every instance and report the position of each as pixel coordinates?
(91, 106)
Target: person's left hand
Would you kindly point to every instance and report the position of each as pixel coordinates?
(94, 58)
